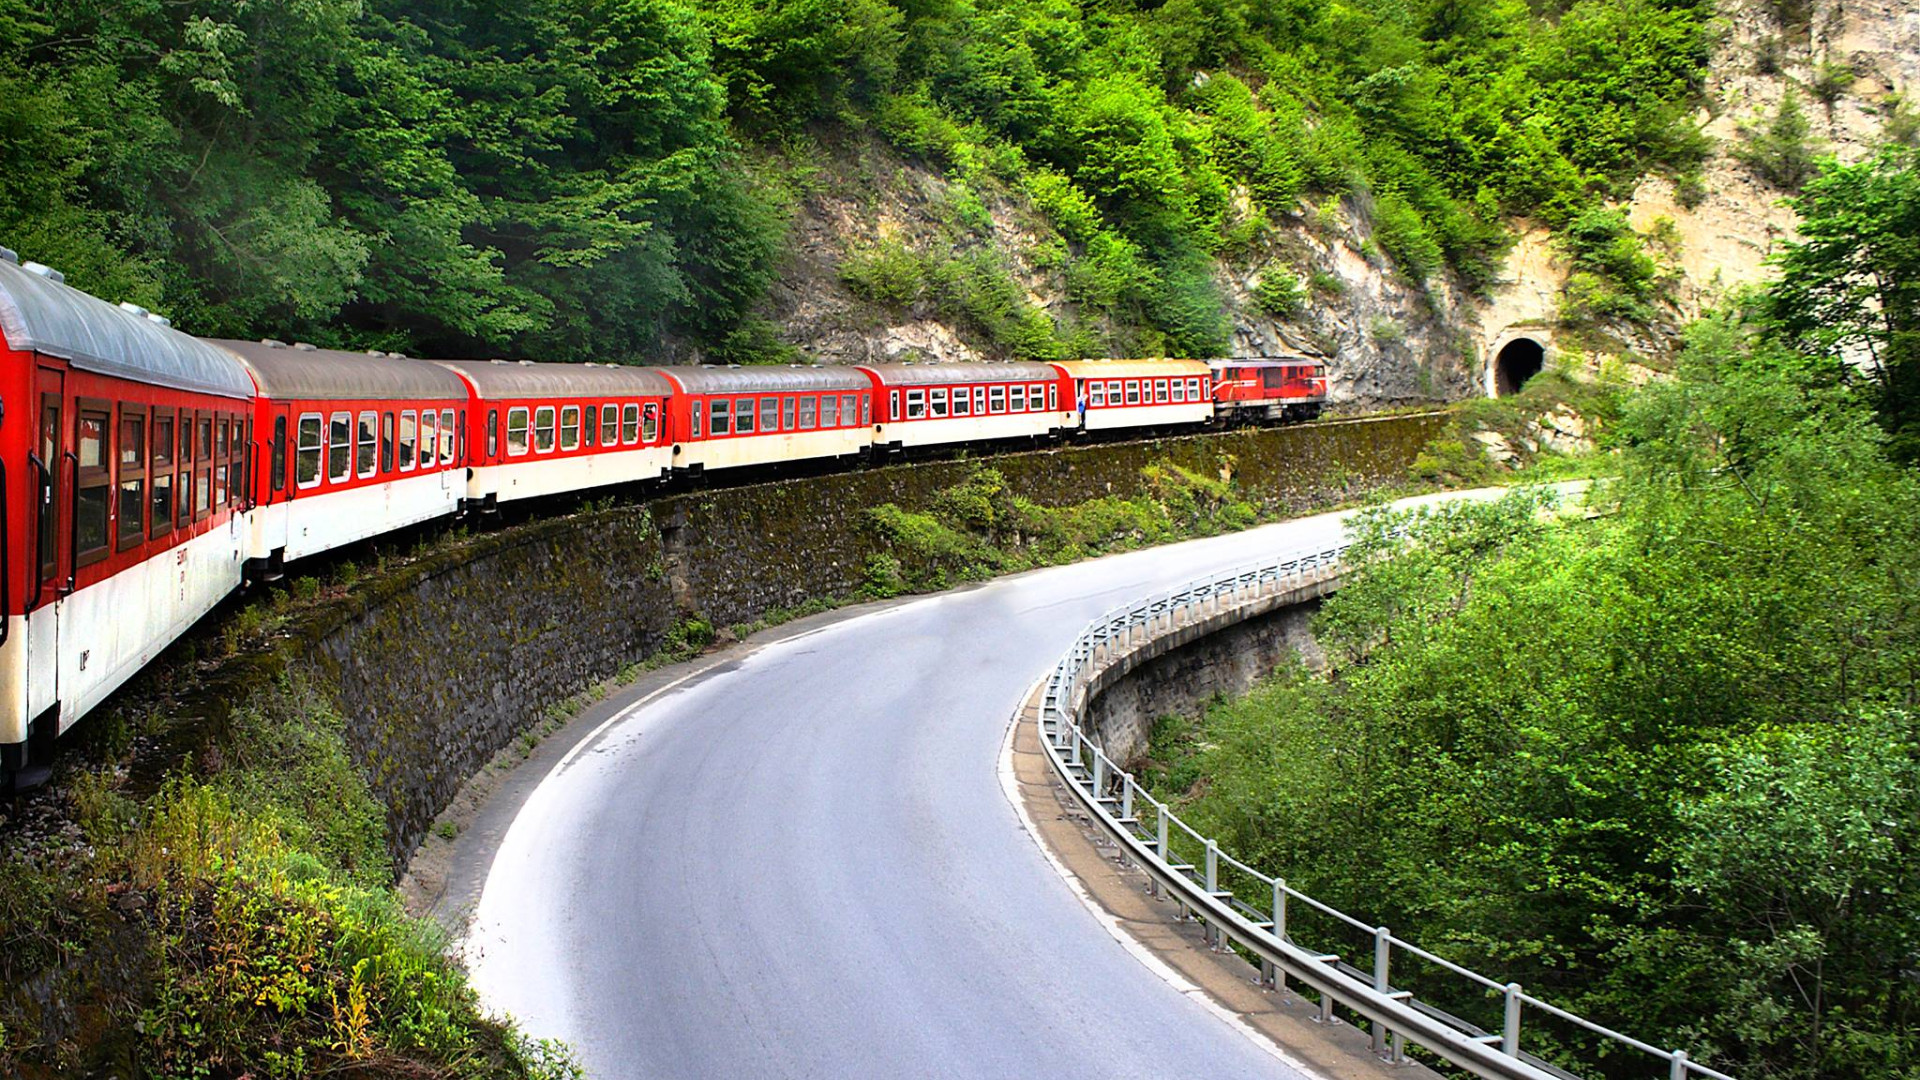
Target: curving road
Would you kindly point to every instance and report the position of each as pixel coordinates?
(803, 864)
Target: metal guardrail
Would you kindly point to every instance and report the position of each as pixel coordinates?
(1255, 915)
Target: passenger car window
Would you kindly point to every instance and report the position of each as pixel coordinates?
(517, 431)
(769, 414)
(340, 447)
(306, 458)
(543, 429)
(570, 427)
(629, 423)
(650, 426)
(610, 424)
(719, 411)
(365, 460)
(409, 438)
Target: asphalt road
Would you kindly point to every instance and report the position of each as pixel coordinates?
(803, 863)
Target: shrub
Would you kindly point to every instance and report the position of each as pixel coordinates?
(886, 273)
(1280, 294)
(1779, 150)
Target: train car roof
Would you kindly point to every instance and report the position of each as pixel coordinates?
(769, 379)
(40, 313)
(945, 374)
(303, 372)
(497, 379)
(1131, 369)
(1264, 361)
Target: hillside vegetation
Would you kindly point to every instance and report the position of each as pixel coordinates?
(1661, 766)
(613, 179)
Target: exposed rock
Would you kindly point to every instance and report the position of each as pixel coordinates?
(1496, 447)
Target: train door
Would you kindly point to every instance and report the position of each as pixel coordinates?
(52, 470)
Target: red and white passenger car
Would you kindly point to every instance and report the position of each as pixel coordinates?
(939, 404)
(122, 477)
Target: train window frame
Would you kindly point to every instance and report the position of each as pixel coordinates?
(339, 447)
(222, 454)
(97, 477)
(590, 426)
(545, 417)
(744, 415)
(769, 415)
(1195, 391)
(426, 452)
(829, 410)
(916, 405)
(1096, 392)
(569, 427)
(130, 468)
(493, 434)
(937, 403)
(183, 486)
(996, 399)
(1132, 390)
(720, 416)
(610, 418)
(962, 403)
(318, 449)
(1179, 391)
(849, 410)
(895, 412)
(366, 444)
(386, 441)
(159, 510)
(650, 422)
(1160, 392)
(449, 439)
(787, 404)
(1053, 397)
(809, 412)
(866, 409)
(1017, 398)
(409, 439)
(629, 421)
(203, 462)
(523, 416)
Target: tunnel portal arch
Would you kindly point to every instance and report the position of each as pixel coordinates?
(1517, 361)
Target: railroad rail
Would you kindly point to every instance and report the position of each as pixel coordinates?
(1260, 914)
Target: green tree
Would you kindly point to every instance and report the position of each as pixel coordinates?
(1850, 286)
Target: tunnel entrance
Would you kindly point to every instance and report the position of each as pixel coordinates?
(1519, 361)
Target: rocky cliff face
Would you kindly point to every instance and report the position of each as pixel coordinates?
(1386, 340)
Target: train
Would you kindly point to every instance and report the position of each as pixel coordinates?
(146, 474)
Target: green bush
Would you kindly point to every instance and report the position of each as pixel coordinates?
(1780, 149)
(1279, 293)
(887, 273)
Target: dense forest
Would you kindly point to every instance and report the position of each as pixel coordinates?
(614, 179)
(1661, 766)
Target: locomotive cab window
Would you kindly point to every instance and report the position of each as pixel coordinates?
(409, 438)
(610, 423)
(306, 457)
(543, 418)
(516, 431)
(94, 479)
(630, 423)
(570, 427)
(650, 423)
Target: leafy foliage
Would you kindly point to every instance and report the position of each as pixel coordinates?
(1850, 287)
(612, 180)
(1659, 765)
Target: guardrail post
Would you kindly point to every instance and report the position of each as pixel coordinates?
(1382, 956)
(1679, 1070)
(1163, 834)
(1099, 773)
(1510, 1029)
(1213, 886)
(1126, 795)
